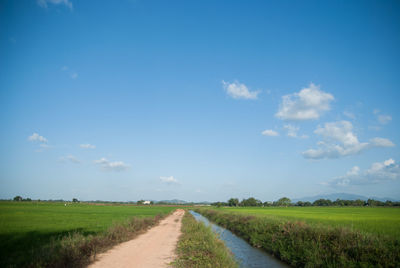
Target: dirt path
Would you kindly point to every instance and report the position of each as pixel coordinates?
(155, 248)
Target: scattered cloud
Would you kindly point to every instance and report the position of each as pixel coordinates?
(339, 140)
(270, 132)
(169, 180)
(307, 104)
(349, 115)
(239, 91)
(379, 172)
(37, 137)
(44, 3)
(384, 119)
(292, 131)
(72, 74)
(70, 158)
(111, 166)
(381, 142)
(87, 146)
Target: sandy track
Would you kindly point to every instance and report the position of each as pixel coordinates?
(155, 248)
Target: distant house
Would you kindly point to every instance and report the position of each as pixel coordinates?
(146, 202)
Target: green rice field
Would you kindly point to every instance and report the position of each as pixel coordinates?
(25, 226)
(375, 220)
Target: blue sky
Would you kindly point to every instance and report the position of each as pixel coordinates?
(199, 100)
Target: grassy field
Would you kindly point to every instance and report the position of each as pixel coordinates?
(374, 220)
(28, 226)
(199, 247)
(318, 236)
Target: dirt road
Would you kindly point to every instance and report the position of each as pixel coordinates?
(155, 248)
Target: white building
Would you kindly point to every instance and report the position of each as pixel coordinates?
(146, 203)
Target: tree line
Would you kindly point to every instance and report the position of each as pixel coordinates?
(285, 202)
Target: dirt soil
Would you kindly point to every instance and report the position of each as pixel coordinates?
(155, 248)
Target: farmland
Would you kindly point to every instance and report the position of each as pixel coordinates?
(318, 236)
(26, 227)
(374, 220)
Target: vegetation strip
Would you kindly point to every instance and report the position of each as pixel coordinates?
(78, 250)
(304, 245)
(199, 247)
(54, 235)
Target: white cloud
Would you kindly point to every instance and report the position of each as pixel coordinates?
(381, 142)
(87, 146)
(339, 140)
(307, 104)
(384, 119)
(74, 75)
(111, 166)
(270, 132)
(37, 137)
(379, 172)
(239, 91)
(169, 180)
(349, 115)
(292, 131)
(70, 158)
(44, 3)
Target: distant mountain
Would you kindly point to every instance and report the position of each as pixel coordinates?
(173, 201)
(343, 196)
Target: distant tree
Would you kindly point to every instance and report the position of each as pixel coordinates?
(251, 202)
(140, 202)
(372, 202)
(267, 204)
(358, 203)
(219, 204)
(300, 204)
(307, 204)
(322, 202)
(151, 202)
(233, 202)
(18, 198)
(75, 200)
(284, 201)
(388, 203)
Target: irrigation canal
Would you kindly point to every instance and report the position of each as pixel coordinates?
(246, 255)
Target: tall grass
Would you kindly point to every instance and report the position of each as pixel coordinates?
(78, 250)
(51, 234)
(304, 245)
(199, 247)
(373, 220)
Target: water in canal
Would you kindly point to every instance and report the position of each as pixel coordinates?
(246, 255)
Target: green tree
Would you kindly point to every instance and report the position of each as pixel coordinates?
(251, 202)
(284, 201)
(18, 198)
(75, 200)
(233, 202)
